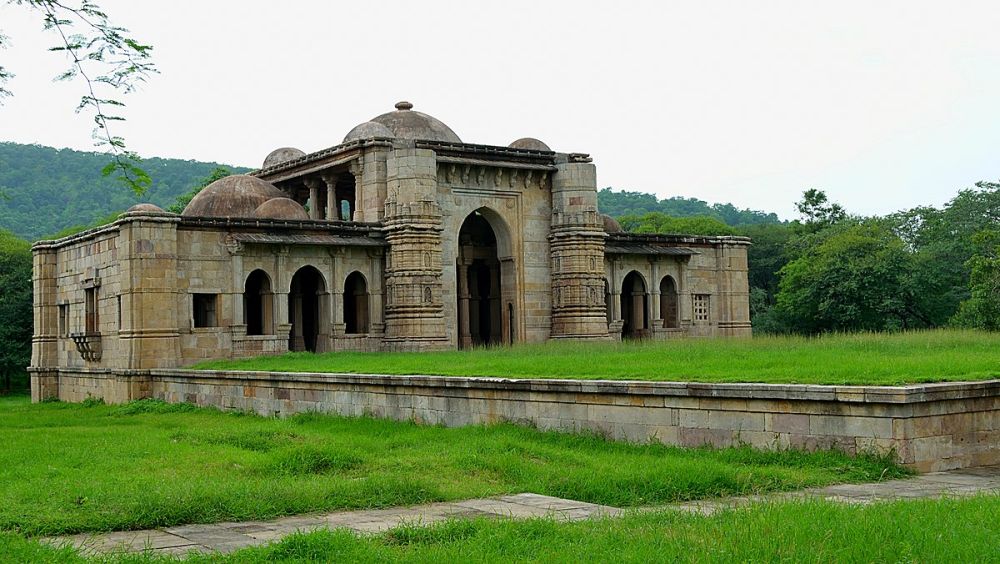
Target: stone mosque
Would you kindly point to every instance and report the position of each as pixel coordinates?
(402, 237)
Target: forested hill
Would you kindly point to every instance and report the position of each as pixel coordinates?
(45, 190)
(618, 204)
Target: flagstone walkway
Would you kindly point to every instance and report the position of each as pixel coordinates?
(226, 537)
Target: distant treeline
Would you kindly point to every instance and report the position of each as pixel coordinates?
(44, 191)
(635, 204)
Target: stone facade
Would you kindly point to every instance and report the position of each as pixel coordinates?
(402, 237)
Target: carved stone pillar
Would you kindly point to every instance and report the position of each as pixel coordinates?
(331, 197)
(464, 325)
(313, 185)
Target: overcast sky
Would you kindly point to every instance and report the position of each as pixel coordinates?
(885, 105)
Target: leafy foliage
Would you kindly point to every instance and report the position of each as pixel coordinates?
(109, 63)
(982, 309)
(852, 277)
(15, 311)
(50, 190)
(658, 222)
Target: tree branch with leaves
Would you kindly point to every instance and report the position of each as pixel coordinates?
(110, 64)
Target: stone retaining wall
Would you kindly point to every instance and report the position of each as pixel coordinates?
(929, 426)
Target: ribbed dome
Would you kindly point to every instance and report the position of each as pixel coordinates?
(281, 208)
(611, 224)
(238, 195)
(367, 130)
(405, 123)
(281, 155)
(529, 143)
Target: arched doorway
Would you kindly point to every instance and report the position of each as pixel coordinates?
(304, 309)
(355, 304)
(635, 319)
(668, 303)
(258, 304)
(480, 318)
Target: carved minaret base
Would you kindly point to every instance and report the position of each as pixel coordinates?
(577, 248)
(414, 308)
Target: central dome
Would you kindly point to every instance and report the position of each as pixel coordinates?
(233, 196)
(404, 123)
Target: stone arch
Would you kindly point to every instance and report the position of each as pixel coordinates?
(306, 314)
(485, 280)
(258, 303)
(634, 306)
(669, 303)
(356, 318)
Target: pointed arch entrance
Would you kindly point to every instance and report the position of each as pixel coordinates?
(304, 309)
(485, 279)
(635, 316)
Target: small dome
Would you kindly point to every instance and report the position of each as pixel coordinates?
(529, 143)
(145, 208)
(611, 224)
(238, 195)
(405, 123)
(367, 130)
(281, 208)
(282, 155)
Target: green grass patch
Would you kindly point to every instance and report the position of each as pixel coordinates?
(876, 359)
(68, 468)
(945, 530)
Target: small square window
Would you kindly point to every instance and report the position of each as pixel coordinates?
(204, 310)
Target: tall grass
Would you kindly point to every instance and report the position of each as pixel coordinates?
(948, 530)
(866, 358)
(69, 467)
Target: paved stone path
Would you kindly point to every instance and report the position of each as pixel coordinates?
(226, 537)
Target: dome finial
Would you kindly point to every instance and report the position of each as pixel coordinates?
(404, 105)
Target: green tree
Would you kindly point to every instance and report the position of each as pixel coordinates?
(108, 62)
(657, 222)
(817, 211)
(982, 309)
(854, 276)
(15, 311)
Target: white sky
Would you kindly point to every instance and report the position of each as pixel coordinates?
(885, 105)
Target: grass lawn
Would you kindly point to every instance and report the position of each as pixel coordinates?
(950, 530)
(90, 467)
(879, 359)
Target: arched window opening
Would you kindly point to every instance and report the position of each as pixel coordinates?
(355, 304)
(258, 304)
(304, 312)
(634, 302)
(668, 303)
(480, 314)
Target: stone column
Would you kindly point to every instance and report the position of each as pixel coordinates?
(298, 340)
(314, 211)
(654, 296)
(464, 328)
(331, 197)
(496, 312)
